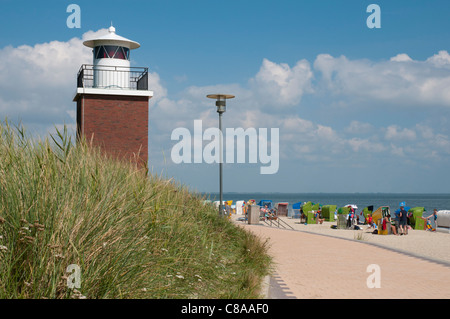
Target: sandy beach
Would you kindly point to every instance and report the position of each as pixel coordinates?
(316, 261)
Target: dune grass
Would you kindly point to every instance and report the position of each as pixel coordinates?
(132, 234)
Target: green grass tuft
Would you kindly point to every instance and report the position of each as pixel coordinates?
(132, 234)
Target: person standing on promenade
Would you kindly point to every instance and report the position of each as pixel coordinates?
(403, 215)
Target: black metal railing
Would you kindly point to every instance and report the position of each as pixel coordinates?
(275, 221)
(112, 77)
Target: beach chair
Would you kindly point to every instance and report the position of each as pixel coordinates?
(387, 230)
(328, 212)
(419, 224)
(366, 211)
(296, 209)
(310, 218)
(342, 221)
(416, 220)
(343, 210)
(342, 214)
(443, 221)
(380, 213)
(308, 207)
(281, 209)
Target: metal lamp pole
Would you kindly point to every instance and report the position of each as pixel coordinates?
(221, 108)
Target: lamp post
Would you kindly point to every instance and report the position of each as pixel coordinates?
(221, 108)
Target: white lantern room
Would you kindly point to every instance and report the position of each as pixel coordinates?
(111, 60)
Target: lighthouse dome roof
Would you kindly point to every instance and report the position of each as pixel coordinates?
(111, 38)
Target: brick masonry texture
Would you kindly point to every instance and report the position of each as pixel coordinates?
(117, 124)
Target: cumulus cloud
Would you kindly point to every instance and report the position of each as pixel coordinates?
(441, 59)
(393, 132)
(401, 80)
(279, 85)
(402, 57)
(357, 127)
(316, 142)
(36, 86)
(44, 65)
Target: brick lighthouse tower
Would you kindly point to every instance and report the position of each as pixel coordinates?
(112, 99)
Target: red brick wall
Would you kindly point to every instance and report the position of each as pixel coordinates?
(118, 124)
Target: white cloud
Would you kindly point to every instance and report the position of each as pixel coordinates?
(159, 91)
(357, 127)
(400, 81)
(425, 131)
(442, 142)
(442, 59)
(44, 65)
(38, 82)
(279, 85)
(402, 57)
(393, 132)
(396, 150)
(359, 144)
(298, 125)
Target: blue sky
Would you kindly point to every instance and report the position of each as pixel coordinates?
(359, 109)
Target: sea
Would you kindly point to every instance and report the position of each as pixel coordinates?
(361, 200)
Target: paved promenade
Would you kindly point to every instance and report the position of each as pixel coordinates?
(312, 266)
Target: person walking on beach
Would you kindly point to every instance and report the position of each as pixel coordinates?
(403, 215)
(434, 216)
(351, 215)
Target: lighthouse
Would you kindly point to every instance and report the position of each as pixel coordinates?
(112, 99)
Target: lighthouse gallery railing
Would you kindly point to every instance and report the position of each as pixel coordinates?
(112, 77)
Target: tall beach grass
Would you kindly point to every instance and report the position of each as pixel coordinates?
(132, 234)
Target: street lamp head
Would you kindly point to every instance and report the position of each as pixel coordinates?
(220, 101)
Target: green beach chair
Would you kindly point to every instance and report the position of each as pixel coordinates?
(328, 212)
(367, 211)
(307, 207)
(310, 218)
(420, 224)
(415, 220)
(343, 211)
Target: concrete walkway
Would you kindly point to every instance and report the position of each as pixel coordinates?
(312, 266)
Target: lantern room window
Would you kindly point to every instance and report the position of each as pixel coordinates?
(111, 52)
